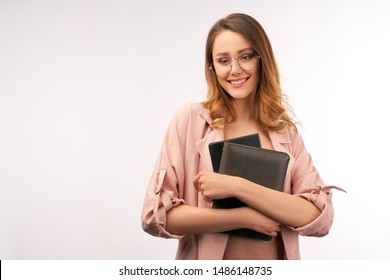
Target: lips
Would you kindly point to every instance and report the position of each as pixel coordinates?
(238, 82)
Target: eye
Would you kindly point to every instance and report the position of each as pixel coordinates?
(247, 57)
(223, 61)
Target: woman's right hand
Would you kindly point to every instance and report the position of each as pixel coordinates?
(257, 221)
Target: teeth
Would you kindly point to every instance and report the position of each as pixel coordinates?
(238, 82)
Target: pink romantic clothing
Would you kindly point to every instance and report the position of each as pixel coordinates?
(185, 153)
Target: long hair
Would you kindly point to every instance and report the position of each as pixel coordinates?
(269, 108)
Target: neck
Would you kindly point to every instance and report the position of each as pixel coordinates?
(242, 107)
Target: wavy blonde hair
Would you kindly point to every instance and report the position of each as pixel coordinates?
(269, 109)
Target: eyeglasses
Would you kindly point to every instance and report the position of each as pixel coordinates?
(222, 66)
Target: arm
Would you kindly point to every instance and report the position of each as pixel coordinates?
(186, 219)
(285, 208)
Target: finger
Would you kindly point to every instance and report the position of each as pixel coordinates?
(198, 187)
(273, 234)
(204, 196)
(207, 199)
(195, 181)
(276, 231)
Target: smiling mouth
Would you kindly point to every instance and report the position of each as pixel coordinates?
(238, 82)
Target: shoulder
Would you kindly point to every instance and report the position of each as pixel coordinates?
(296, 142)
(190, 121)
(191, 108)
(286, 135)
(192, 112)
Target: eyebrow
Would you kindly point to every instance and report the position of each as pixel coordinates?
(239, 52)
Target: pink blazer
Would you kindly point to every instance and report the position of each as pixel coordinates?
(185, 152)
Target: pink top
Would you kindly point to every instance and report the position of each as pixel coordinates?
(185, 153)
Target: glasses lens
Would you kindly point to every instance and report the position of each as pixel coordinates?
(220, 70)
(248, 61)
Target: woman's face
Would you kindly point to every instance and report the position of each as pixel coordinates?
(237, 82)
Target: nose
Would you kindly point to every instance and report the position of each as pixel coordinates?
(235, 67)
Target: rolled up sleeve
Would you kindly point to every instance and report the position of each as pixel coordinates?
(322, 199)
(158, 201)
(164, 189)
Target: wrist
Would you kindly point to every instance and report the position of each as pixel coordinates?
(239, 187)
(237, 217)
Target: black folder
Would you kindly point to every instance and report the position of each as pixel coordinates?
(262, 166)
(216, 148)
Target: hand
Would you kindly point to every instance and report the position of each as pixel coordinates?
(257, 221)
(216, 186)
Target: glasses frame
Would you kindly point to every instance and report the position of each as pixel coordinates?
(212, 68)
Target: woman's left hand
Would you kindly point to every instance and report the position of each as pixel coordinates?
(216, 186)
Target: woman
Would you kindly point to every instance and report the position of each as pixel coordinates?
(244, 98)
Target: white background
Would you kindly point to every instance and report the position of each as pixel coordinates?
(87, 89)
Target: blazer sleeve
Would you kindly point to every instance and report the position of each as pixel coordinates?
(307, 183)
(164, 189)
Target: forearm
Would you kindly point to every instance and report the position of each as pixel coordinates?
(186, 219)
(285, 208)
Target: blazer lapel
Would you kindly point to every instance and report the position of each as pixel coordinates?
(203, 146)
(278, 139)
(211, 135)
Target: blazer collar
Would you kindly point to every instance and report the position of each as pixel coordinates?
(205, 114)
(279, 138)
